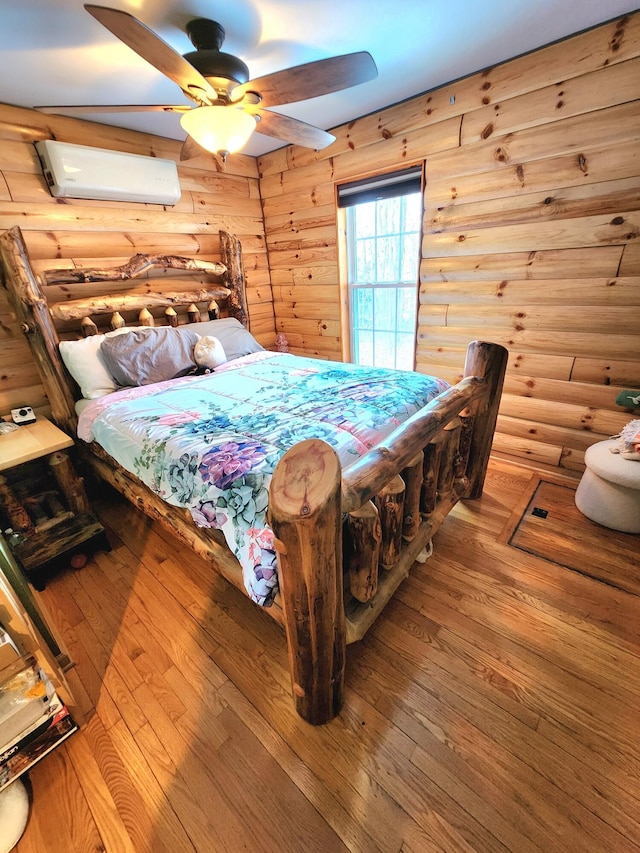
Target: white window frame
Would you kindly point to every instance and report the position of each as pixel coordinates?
(397, 285)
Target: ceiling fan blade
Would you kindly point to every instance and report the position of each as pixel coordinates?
(128, 108)
(291, 130)
(311, 79)
(151, 47)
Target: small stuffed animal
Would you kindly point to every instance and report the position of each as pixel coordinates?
(281, 342)
(209, 353)
(629, 445)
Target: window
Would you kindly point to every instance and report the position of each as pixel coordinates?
(383, 251)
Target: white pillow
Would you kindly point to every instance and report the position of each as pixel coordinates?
(209, 352)
(86, 364)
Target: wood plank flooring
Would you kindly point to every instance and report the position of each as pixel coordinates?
(492, 707)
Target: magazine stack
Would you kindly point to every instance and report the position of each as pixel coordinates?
(33, 719)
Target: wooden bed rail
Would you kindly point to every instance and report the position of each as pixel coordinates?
(76, 309)
(135, 267)
(366, 477)
(394, 498)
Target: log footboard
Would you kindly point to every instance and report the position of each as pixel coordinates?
(392, 500)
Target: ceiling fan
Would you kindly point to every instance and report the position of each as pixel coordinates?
(229, 106)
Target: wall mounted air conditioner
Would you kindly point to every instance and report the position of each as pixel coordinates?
(78, 171)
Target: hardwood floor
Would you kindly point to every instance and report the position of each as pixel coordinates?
(492, 707)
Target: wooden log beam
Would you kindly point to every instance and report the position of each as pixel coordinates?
(390, 503)
(412, 476)
(362, 551)
(304, 512)
(464, 443)
(70, 484)
(16, 514)
(34, 507)
(446, 474)
(75, 309)
(231, 251)
(51, 499)
(488, 361)
(135, 267)
(431, 472)
(47, 510)
(366, 477)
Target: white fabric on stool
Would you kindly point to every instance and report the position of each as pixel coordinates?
(14, 813)
(609, 491)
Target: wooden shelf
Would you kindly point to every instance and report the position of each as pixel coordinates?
(31, 441)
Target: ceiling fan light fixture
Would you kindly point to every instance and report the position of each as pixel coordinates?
(219, 129)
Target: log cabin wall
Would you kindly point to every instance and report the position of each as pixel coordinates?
(68, 232)
(531, 232)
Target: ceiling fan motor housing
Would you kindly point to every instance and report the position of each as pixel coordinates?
(207, 38)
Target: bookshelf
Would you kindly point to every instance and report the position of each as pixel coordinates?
(35, 700)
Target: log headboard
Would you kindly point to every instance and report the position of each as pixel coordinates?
(61, 304)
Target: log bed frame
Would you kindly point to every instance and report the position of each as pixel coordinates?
(345, 539)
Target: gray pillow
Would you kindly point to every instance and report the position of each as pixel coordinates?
(235, 339)
(146, 355)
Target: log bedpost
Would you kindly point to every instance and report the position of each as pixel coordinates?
(305, 514)
(231, 252)
(488, 361)
(70, 484)
(29, 304)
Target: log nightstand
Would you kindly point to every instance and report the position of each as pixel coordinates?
(48, 510)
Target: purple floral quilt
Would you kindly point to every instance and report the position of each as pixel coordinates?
(211, 443)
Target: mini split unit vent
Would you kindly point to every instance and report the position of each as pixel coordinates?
(77, 171)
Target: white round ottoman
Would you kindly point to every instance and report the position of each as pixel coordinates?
(609, 491)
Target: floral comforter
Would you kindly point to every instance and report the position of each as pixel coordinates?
(211, 443)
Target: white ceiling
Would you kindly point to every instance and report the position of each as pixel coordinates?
(54, 52)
